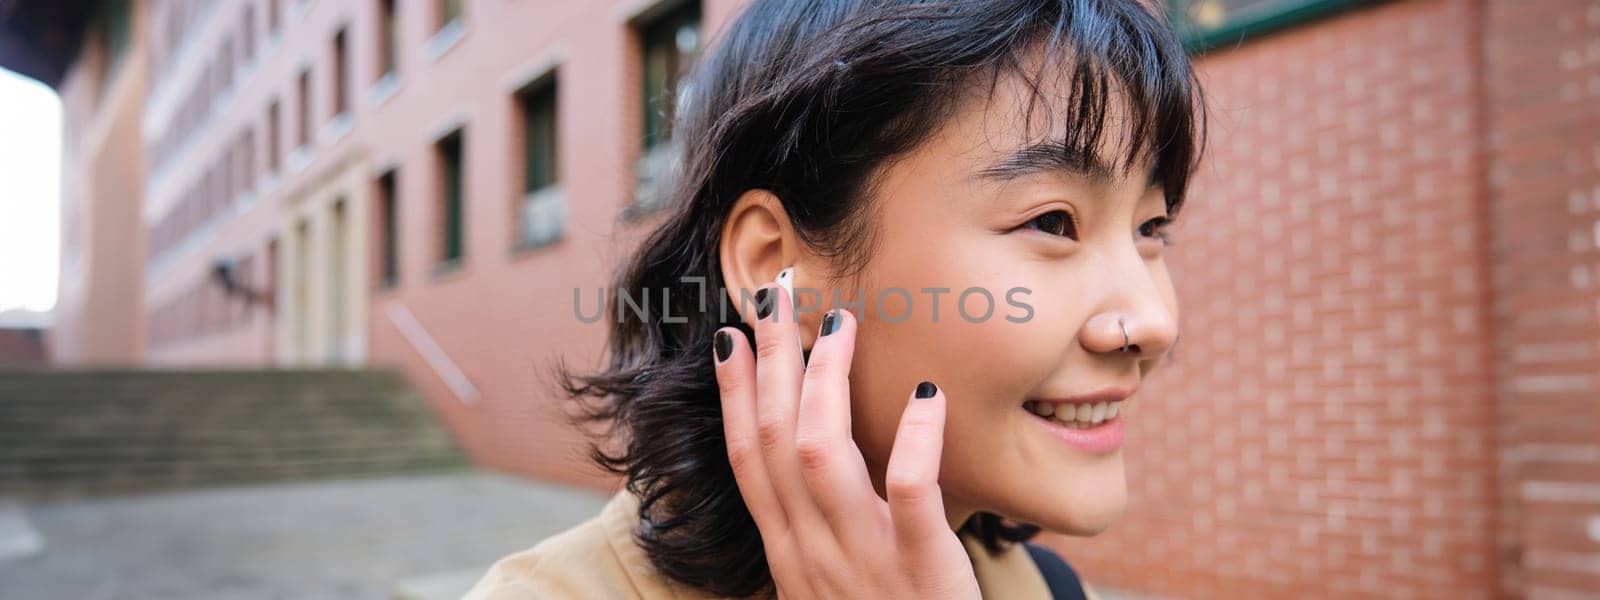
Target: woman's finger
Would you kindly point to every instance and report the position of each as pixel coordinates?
(912, 478)
(778, 372)
(832, 465)
(736, 384)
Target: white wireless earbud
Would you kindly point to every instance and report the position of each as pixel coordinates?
(786, 279)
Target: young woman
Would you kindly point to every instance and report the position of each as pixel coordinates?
(970, 201)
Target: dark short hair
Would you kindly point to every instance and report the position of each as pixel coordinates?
(809, 99)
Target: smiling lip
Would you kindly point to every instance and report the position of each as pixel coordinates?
(1110, 394)
(1100, 439)
(1103, 438)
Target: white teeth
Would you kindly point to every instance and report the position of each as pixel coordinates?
(1079, 416)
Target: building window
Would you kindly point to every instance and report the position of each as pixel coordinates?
(388, 39)
(299, 279)
(225, 65)
(274, 136)
(302, 131)
(247, 150)
(215, 192)
(270, 282)
(388, 231)
(449, 153)
(247, 32)
(227, 176)
(449, 11)
(1205, 24)
(538, 107)
(449, 29)
(541, 208)
(334, 291)
(341, 71)
(671, 42)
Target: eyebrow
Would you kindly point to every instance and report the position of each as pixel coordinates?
(1052, 156)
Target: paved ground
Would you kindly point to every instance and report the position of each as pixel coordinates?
(414, 537)
(346, 539)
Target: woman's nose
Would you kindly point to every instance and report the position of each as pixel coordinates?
(1133, 314)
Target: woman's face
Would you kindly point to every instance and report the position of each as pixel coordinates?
(1087, 253)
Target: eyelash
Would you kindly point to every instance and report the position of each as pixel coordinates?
(1160, 226)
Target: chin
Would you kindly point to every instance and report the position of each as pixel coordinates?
(1082, 506)
(1089, 521)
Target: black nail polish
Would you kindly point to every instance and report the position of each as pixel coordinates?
(927, 389)
(830, 322)
(724, 345)
(763, 307)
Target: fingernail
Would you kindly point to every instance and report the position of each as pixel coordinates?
(724, 345)
(763, 307)
(830, 322)
(927, 389)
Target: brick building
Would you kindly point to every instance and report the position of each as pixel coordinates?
(1388, 267)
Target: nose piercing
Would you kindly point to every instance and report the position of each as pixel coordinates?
(1124, 335)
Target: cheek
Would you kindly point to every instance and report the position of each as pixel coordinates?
(986, 365)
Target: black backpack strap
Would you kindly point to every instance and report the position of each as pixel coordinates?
(1063, 581)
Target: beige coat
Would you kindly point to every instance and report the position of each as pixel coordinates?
(599, 559)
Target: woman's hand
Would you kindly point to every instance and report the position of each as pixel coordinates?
(826, 532)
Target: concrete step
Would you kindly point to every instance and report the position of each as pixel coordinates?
(85, 432)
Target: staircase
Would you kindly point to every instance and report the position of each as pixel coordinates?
(66, 433)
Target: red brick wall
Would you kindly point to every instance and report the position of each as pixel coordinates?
(1543, 107)
(1325, 430)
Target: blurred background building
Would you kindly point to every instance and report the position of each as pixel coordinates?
(1388, 267)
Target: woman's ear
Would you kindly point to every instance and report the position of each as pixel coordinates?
(757, 242)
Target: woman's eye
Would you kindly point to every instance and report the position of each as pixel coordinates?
(1056, 222)
(1157, 228)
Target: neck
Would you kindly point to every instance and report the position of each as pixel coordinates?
(957, 512)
